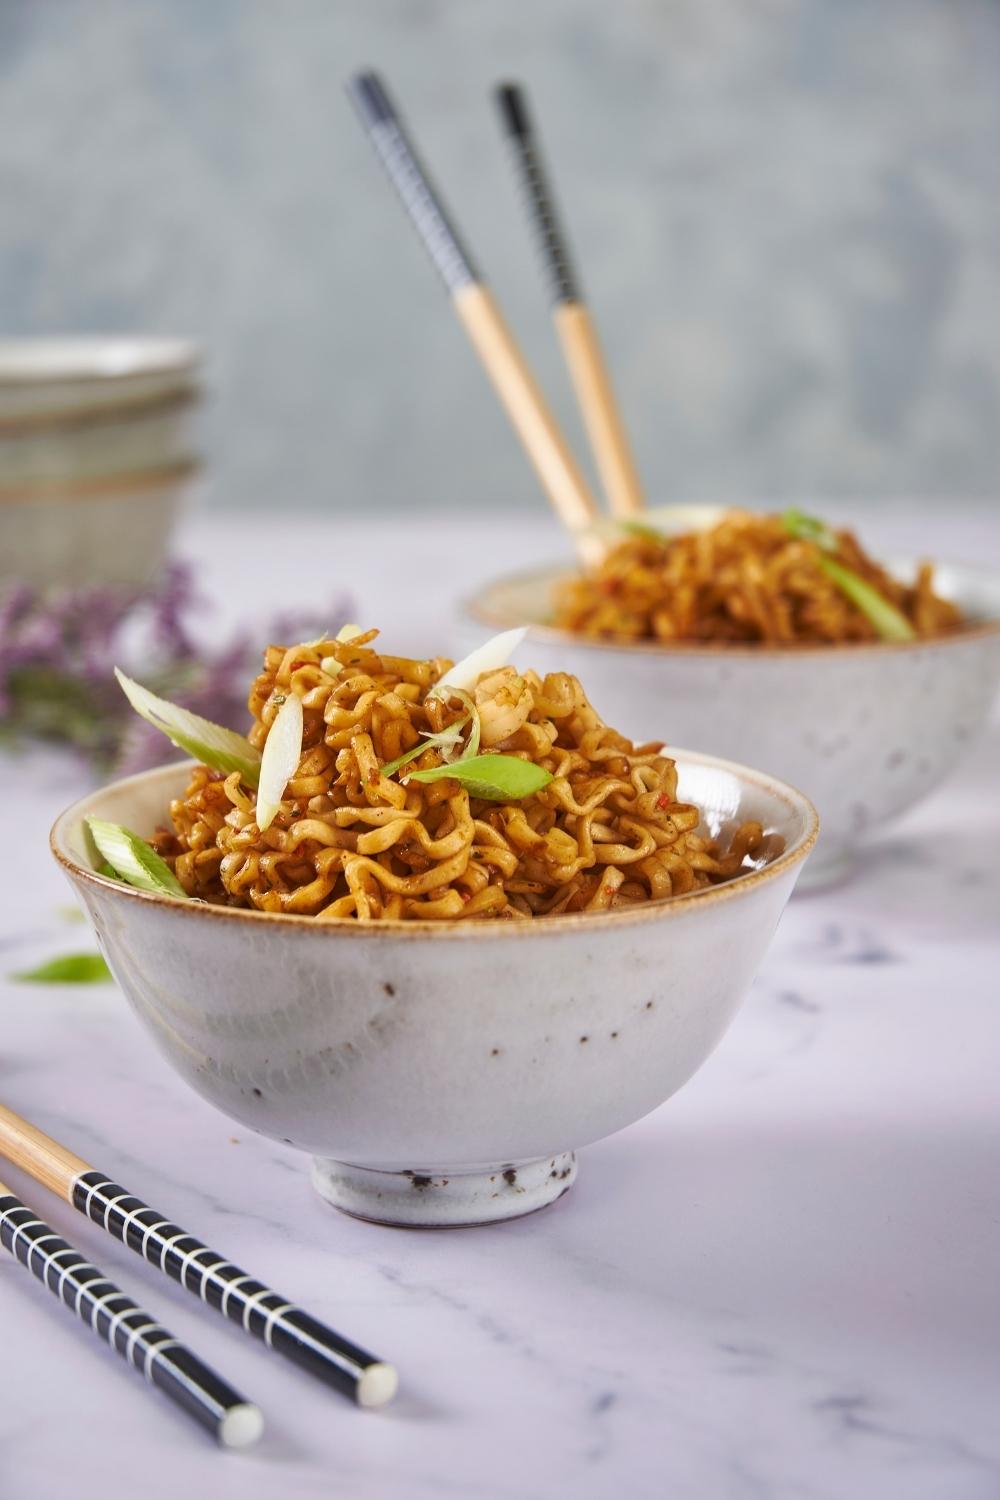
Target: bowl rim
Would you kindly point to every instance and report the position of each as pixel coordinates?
(473, 608)
(69, 359)
(474, 927)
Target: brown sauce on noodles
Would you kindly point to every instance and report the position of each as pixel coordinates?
(743, 580)
(349, 841)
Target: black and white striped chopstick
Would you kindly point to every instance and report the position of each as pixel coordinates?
(241, 1298)
(278, 1322)
(540, 202)
(131, 1331)
(412, 182)
(478, 311)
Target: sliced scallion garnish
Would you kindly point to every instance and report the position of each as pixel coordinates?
(68, 968)
(280, 760)
(222, 749)
(492, 654)
(133, 860)
(883, 616)
(497, 778)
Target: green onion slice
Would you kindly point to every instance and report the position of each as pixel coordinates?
(69, 968)
(497, 778)
(886, 618)
(222, 749)
(883, 616)
(280, 760)
(492, 654)
(133, 860)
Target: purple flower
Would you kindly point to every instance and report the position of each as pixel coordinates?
(58, 652)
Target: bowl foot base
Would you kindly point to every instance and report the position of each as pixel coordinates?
(444, 1200)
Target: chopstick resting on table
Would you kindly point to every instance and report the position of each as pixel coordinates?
(574, 324)
(280, 1324)
(478, 311)
(111, 1313)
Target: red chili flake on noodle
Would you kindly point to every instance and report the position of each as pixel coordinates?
(663, 801)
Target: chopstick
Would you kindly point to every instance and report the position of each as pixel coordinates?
(265, 1314)
(574, 324)
(137, 1337)
(477, 310)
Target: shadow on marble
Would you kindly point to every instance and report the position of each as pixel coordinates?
(881, 1229)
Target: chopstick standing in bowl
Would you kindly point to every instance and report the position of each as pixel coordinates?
(280, 1324)
(477, 309)
(140, 1340)
(573, 321)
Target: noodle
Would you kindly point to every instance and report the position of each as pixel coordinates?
(351, 841)
(743, 580)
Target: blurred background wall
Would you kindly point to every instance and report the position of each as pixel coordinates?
(786, 213)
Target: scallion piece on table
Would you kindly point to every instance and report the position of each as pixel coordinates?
(68, 968)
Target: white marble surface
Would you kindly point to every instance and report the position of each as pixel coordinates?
(782, 1284)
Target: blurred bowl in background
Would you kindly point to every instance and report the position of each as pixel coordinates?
(865, 731)
(66, 376)
(99, 442)
(96, 531)
(97, 450)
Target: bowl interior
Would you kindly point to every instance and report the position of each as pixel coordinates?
(728, 795)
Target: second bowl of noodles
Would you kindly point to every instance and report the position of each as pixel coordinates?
(866, 726)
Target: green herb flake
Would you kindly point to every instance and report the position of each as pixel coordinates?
(70, 968)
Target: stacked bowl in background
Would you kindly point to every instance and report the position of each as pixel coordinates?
(97, 451)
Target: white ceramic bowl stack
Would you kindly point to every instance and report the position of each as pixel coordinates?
(97, 451)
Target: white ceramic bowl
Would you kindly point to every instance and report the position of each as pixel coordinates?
(113, 531)
(865, 731)
(441, 1074)
(41, 379)
(102, 444)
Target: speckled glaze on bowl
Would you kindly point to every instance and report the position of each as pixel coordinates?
(441, 1073)
(865, 731)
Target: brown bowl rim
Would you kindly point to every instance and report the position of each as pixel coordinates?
(475, 926)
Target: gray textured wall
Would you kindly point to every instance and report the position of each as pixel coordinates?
(786, 211)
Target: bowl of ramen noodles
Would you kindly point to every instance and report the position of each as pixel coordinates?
(775, 640)
(435, 925)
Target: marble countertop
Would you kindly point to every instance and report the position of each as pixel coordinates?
(783, 1284)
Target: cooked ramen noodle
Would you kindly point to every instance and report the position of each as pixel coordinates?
(746, 579)
(354, 837)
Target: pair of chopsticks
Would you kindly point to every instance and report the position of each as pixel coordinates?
(487, 329)
(133, 1333)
